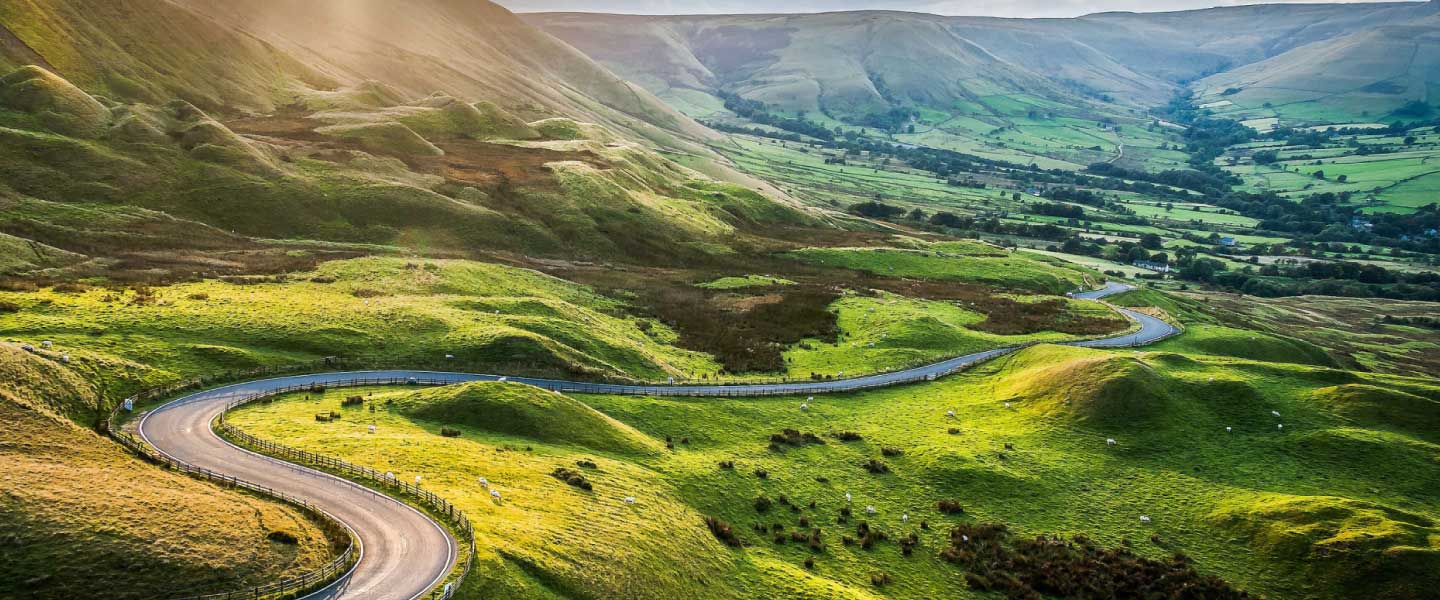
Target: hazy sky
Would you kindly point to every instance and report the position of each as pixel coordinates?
(1002, 8)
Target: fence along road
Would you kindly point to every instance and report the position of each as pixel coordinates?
(405, 554)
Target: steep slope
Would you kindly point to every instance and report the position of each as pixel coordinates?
(467, 49)
(84, 519)
(1369, 74)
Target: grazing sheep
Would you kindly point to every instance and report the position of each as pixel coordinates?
(1279, 425)
(1144, 519)
(495, 494)
(904, 517)
(1007, 405)
(1276, 413)
(964, 538)
(503, 379)
(804, 406)
(449, 357)
(389, 475)
(372, 429)
(950, 413)
(870, 510)
(46, 344)
(1229, 430)
(65, 358)
(809, 398)
(417, 480)
(847, 497)
(27, 347)
(1110, 441)
(629, 499)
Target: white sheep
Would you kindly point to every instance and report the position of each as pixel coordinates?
(1110, 441)
(495, 494)
(449, 357)
(847, 497)
(964, 538)
(65, 358)
(1007, 405)
(27, 347)
(389, 475)
(629, 499)
(46, 344)
(1276, 413)
(950, 413)
(809, 398)
(1144, 519)
(503, 379)
(1279, 425)
(904, 517)
(870, 510)
(804, 406)
(417, 480)
(1229, 430)
(372, 429)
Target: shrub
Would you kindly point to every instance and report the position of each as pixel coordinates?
(282, 537)
(950, 507)
(728, 465)
(8, 307)
(879, 579)
(723, 532)
(352, 401)
(334, 416)
(847, 436)
(875, 467)
(891, 451)
(586, 464)
(792, 437)
(810, 562)
(574, 478)
(1051, 566)
(199, 296)
(75, 288)
(367, 293)
(762, 473)
(449, 432)
(822, 479)
(954, 431)
(763, 503)
(322, 417)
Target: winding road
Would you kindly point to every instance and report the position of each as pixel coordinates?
(405, 554)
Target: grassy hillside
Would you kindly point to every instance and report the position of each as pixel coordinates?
(83, 518)
(356, 166)
(1039, 465)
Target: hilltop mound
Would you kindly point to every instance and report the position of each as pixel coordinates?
(1346, 544)
(79, 513)
(1252, 345)
(525, 411)
(442, 116)
(1106, 390)
(387, 138)
(58, 104)
(1379, 407)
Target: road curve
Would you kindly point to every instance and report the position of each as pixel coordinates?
(404, 553)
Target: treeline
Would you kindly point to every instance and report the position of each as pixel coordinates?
(1209, 183)
(1328, 217)
(758, 112)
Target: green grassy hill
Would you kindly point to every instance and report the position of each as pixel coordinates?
(83, 518)
(1295, 512)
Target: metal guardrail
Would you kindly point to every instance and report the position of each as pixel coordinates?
(350, 470)
(285, 588)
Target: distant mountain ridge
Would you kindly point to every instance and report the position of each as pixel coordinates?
(829, 61)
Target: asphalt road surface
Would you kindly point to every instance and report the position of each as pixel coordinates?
(404, 553)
